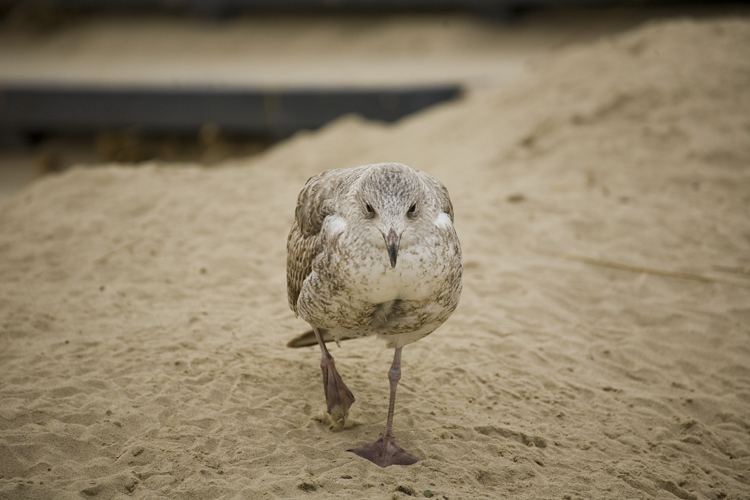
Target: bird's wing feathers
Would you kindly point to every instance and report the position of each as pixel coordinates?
(299, 258)
(440, 191)
(315, 202)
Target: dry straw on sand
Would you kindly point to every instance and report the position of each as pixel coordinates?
(143, 310)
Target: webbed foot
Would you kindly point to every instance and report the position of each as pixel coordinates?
(338, 396)
(384, 452)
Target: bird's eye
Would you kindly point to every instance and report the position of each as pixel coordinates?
(412, 209)
(370, 210)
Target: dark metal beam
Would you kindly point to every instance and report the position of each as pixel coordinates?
(33, 109)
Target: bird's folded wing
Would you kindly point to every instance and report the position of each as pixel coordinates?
(440, 191)
(314, 204)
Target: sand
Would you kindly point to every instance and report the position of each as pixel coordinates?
(601, 348)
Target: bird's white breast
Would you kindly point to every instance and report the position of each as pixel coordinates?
(416, 276)
(408, 280)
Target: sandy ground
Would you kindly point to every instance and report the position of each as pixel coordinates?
(601, 348)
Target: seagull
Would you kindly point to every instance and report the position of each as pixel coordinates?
(372, 251)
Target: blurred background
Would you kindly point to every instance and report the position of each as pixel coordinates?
(201, 81)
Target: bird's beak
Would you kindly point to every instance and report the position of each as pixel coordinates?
(391, 243)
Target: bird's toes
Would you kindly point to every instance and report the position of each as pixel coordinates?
(339, 403)
(338, 396)
(337, 415)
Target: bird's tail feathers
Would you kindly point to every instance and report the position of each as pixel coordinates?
(308, 338)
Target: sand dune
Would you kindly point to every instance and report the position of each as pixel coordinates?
(600, 350)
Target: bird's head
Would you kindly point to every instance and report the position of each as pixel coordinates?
(390, 199)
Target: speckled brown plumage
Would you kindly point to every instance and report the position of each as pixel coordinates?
(337, 260)
(372, 251)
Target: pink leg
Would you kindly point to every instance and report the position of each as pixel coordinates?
(384, 451)
(338, 397)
